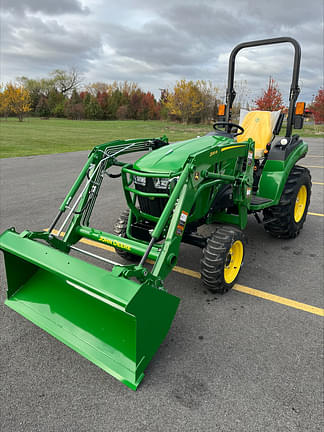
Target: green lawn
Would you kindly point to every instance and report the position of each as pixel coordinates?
(35, 136)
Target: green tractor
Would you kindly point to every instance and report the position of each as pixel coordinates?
(118, 319)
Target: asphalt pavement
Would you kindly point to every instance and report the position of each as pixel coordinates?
(229, 363)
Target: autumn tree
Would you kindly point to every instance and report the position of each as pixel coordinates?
(125, 87)
(317, 107)
(135, 105)
(37, 89)
(16, 100)
(271, 99)
(190, 101)
(184, 103)
(150, 110)
(103, 100)
(3, 103)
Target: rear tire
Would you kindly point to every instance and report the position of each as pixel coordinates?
(120, 230)
(222, 259)
(286, 219)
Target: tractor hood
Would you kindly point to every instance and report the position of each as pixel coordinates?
(172, 158)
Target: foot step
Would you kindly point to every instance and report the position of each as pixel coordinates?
(257, 200)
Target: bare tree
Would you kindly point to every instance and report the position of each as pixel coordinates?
(66, 82)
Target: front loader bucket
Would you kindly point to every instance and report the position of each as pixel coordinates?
(116, 323)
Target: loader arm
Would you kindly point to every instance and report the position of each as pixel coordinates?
(101, 158)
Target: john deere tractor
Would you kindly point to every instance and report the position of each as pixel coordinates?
(118, 318)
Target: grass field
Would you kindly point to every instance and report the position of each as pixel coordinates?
(35, 136)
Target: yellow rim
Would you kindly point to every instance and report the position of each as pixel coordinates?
(300, 203)
(233, 262)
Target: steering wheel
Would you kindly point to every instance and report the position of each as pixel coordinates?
(231, 126)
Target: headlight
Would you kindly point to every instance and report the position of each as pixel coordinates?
(161, 183)
(140, 180)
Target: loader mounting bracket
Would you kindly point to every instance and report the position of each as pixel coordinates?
(46, 236)
(138, 272)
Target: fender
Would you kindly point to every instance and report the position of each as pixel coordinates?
(276, 172)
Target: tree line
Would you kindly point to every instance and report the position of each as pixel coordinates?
(61, 95)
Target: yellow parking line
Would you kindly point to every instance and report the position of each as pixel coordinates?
(262, 294)
(186, 271)
(318, 183)
(313, 166)
(277, 299)
(241, 288)
(315, 214)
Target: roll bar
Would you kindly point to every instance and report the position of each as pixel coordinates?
(294, 88)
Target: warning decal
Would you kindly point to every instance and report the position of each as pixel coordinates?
(182, 223)
(183, 218)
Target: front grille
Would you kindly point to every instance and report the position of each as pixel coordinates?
(153, 205)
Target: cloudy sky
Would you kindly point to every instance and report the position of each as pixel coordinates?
(155, 43)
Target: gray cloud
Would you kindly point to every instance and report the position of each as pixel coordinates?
(48, 7)
(37, 47)
(157, 43)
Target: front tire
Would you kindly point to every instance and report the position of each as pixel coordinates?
(120, 230)
(286, 219)
(222, 259)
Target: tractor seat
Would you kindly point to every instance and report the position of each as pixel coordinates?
(258, 125)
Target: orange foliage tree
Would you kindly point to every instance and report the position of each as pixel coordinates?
(16, 100)
(271, 99)
(317, 107)
(150, 109)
